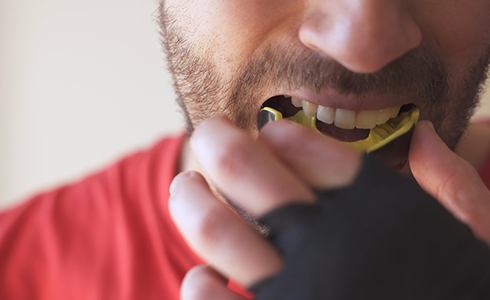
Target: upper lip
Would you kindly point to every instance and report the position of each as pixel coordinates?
(355, 102)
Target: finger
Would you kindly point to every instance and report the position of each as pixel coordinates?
(244, 170)
(203, 283)
(450, 179)
(320, 161)
(218, 235)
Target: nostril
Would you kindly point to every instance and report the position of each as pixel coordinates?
(363, 39)
(358, 54)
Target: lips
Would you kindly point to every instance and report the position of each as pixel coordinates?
(340, 123)
(389, 140)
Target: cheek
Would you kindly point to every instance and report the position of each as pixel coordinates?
(459, 31)
(229, 31)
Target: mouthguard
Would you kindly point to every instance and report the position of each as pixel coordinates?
(378, 137)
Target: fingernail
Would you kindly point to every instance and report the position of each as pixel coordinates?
(427, 124)
(172, 186)
(428, 130)
(429, 137)
(176, 182)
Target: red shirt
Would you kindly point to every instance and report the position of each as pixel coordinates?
(108, 236)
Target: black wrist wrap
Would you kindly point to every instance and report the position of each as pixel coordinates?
(380, 238)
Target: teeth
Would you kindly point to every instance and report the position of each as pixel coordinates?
(344, 118)
(296, 102)
(383, 115)
(366, 119)
(309, 108)
(325, 114)
(394, 111)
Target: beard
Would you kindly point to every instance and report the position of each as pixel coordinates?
(419, 74)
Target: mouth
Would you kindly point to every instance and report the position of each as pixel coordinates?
(367, 130)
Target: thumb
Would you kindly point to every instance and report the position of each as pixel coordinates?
(450, 179)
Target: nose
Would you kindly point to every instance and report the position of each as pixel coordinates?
(362, 35)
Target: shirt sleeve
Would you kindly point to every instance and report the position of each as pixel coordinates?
(108, 236)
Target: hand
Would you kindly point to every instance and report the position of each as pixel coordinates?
(222, 238)
(259, 175)
(451, 180)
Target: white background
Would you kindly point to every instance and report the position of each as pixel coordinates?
(81, 83)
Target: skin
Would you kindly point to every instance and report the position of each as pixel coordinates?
(363, 55)
(234, 249)
(226, 44)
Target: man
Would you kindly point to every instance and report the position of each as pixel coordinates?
(112, 235)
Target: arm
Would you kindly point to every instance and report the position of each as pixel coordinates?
(105, 237)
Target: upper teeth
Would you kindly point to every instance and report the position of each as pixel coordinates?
(344, 118)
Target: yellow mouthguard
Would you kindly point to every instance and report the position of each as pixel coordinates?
(378, 137)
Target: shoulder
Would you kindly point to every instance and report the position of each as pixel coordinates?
(146, 174)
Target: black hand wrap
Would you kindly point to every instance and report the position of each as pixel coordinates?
(381, 238)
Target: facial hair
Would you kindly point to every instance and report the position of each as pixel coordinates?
(419, 74)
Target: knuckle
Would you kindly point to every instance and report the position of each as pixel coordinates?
(208, 228)
(232, 156)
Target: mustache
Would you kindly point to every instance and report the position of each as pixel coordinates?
(418, 73)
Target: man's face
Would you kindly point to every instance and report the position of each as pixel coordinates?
(358, 59)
